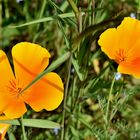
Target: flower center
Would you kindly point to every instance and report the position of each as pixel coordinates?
(14, 87)
(120, 56)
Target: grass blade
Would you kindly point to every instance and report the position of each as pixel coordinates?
(65, 15)
(39, 123)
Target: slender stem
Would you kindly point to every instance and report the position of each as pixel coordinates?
(73, 5)
(107, 123)
(80, 21)
(93, 13)
(73, 93)
(6, 9)
(65, 99)
(79, 106)
(40, 16)
(101, 3)
(138, 10)
(108, 103)
(77, 13)
(23, 129)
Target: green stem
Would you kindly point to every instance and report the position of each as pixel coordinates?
(40, 16)
(23, 129)
(93, 13)
(80, 21)
(6, 9)
(73, 93)
(77, 13)
(65, 99)
(107, 123)
(73, 5)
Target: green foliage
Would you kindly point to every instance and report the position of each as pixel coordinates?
(40, 123)
(95, 106)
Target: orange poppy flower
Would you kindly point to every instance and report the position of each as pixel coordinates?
(122, 44)
(3, 130)
(28, 60)
(3, 127)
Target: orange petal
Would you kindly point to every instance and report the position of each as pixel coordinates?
(108, 42)
(46, 93)
(3, 130)
(11, 104)
(132, 68)
(5, 70)
(128, 33)
(15, 108)
(123, 37)
(3, 117)
(29, 60)
(6, 75)
(134, 52)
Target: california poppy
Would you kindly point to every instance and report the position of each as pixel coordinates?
(28, 60)
(3, 127)
(122, 44)
(3, 130)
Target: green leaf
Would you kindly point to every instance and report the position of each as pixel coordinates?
(77, 69)
(64, 34)
(65, 15)
(39, 123)
(11, 136)
(74, 132)
(69, 20)
(6, 32)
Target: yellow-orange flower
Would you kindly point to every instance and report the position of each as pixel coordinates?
(3, 127)
(3, 130)
(28, 61)
(122, 44)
